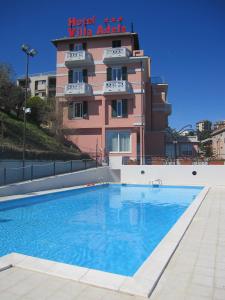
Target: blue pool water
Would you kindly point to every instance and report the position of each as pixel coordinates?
(112, 228)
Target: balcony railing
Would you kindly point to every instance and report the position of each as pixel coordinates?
(77, 89)
(77, 58)
(138, 120)
(163, 107)
(116, 54)
(116, 86)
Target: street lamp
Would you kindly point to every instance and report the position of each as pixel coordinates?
(29, 52)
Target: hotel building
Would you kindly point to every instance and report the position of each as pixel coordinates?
(106, 100)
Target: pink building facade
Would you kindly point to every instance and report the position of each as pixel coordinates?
(106, 101)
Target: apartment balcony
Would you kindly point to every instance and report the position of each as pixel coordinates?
(163, 107)
(116, 55)
(77, 58)
(117, 87)
(78, 89)
(138, 120)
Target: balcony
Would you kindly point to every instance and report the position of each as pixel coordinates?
(138, 120)
(163, 107)
(116, 55)
(78, 89)
(117, 87)
(77, 58)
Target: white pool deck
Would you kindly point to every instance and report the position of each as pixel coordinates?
(195, 271)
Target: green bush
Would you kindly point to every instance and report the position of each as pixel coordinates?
(39, 110)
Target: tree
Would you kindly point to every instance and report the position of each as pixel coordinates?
(39, 110)
(11, 95)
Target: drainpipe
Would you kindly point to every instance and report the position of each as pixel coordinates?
(142, 132)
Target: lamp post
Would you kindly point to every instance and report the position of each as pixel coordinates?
(29, 52)
(175, 151)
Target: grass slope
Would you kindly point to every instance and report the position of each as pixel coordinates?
(38, 143)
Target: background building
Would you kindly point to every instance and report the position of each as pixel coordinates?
(106, 101)
(218, 143)
(204, 125)
(186, 146)
(42, 84)
(219, 125)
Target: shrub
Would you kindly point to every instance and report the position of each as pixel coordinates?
(39, 110)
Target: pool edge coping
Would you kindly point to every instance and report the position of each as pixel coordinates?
(142, 283)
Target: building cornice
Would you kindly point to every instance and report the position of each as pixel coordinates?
(99, 36)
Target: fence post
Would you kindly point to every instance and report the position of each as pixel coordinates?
(71, 166)
(4, 176)
(85, 164)
(31, 172)
(54, 168)
(96, 161)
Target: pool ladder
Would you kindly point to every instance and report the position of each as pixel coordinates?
(156, 182)
(101, 180)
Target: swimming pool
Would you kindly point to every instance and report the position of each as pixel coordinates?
(112, 228)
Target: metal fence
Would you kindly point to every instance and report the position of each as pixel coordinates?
(9, 175)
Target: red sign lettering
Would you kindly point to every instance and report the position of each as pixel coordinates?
(78, 27)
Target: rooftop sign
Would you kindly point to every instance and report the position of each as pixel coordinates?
(84, 27)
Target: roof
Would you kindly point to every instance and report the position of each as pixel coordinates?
(183, 139)
(99, 36)
(50, 74)
(218, 131)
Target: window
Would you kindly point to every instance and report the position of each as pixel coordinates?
(78, 110)
(186, 149)
(118, 141)
(77, 75)
(116, 44)
(78, 47)
(119, 108)
(116, 73)
(71, 47)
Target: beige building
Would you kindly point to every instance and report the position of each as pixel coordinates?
(203, 125)
(218, 143)
(42, 84)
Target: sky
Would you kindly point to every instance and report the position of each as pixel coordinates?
(184, 38)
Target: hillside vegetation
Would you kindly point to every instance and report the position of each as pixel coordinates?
(39, 144)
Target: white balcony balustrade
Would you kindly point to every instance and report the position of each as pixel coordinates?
(116, 54)
(117, 86)
(78, 89)
(77, 58)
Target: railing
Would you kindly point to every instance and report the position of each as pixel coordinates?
(164, 107)
(157, 80)
(33, 170)
(79, 88)
(50, 73)
(77, 57)
(162, 160)
(116, 86)
(139, 120)
(115, 53)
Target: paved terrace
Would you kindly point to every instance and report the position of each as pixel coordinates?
(196, 270)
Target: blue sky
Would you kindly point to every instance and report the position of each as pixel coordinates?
(185, 39)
